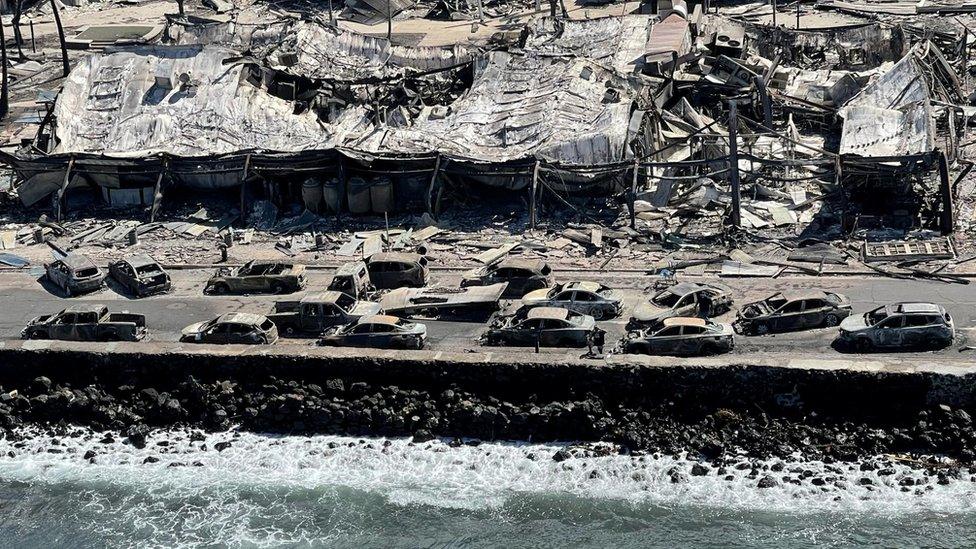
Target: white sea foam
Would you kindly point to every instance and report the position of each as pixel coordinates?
(468, 477)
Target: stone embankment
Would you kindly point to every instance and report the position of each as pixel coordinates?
(670, 406)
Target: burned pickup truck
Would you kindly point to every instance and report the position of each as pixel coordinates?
(475, 303)
(315, 312)
(87, 323)
(255, 276)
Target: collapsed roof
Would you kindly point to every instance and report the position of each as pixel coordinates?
(181, 100)
(318, 51)
(893, 115)
(616, 42)
(569, 111)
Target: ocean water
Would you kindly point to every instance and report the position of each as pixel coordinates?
(343, 492)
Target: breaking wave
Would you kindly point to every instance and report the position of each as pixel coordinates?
(340, 491)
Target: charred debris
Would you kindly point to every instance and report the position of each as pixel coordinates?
(833, 132)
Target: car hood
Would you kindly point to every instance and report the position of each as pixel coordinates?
(853, 323)
(542, 294)
(365, 308)
(193, 329)
(474, 274)
(649, 312)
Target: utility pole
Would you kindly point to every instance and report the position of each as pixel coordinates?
(64, 47)
(4, 101)
(734, 160)
(797, 14)
(18, 37)
(774, 12)
(389, 20)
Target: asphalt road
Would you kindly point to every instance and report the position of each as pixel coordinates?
(25, 297)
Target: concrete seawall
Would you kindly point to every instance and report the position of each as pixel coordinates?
(857, 389)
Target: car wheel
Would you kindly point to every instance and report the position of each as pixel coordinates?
(418, 344)
(863, 345)
(831, 320)
(67, 291)
(220, 289)
(760, 328)
(598, 314)
(290, 331)
(277, 288)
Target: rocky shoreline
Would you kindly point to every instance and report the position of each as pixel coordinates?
(709, 434)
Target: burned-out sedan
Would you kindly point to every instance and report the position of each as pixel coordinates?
(258, 276)
(588, 298)
(240, 328)
(75, 274)
(682, 299)
(377, 331)
(681, 336)
(546, 327)
(789, 312)
(140, 275)
(390, 270)
(899, 325)
(522, 276)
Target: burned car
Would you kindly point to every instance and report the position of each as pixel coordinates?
(75, 274)
(899, 325)
(316, 312)
(681, 299)
(477, 302)
(588, 298)
(788, 312)
(140, 275)
(87, 323)
(397, 270)
(257, 276)
(522, 276)
(681, 336)
(547, 326)
(377, 331)
(241, 328)
(352, 278)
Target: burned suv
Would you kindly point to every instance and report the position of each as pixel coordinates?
(140, 275)
(75, 274)
(899, 325)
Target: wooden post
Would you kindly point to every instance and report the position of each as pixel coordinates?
(389, 20)
(774, 12)
(532, 197)
(946, 222)
(247, 165)
(64, 189)
(158, 191)
(797, 14)
(767, 105)
(64, 47)
(632, 197)
(965, 56)
(33, 42)
(430, 186)
(734, 160)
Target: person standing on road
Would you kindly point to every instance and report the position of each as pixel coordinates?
(704, 305)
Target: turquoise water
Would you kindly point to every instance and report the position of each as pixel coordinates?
(270, 492)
